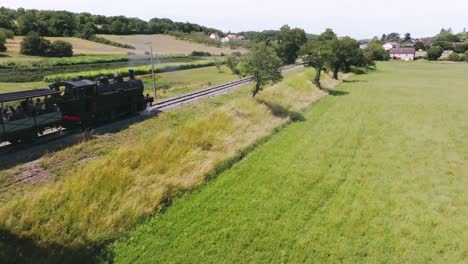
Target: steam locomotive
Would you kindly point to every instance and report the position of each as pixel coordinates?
(69, 104)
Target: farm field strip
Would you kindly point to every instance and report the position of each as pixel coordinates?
(165, 44)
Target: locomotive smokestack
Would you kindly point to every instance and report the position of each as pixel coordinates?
(131, 74)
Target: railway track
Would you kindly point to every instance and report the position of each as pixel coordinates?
(56, 140)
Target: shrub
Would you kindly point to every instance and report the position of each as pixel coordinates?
(357, 70)
(466, 56)
(434, 53)
(453, 57)
(35, 45)
(9, 34)
(2, 43)
(200, 54)
(61, 49)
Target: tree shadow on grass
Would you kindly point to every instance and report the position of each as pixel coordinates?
(280, 111)
(354, 81)
(335, 92)
(14, 249)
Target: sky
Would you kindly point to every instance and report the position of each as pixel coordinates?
(356, 18)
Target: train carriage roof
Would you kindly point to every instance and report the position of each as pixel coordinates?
(79, 83)
(8, 97)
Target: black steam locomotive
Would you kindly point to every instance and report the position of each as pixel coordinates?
(69, 104)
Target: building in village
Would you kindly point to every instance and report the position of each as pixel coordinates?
(405, 54)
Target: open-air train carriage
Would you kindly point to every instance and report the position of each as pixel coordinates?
(24, 115)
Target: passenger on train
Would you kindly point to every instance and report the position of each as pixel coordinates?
(38, 106)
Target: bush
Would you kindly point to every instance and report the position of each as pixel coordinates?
(454, 57)
(35, 45)
(200, 54)
(2, 43)
(466, 56)
(9, 34)
(434, 53)
(61, 49)
(357, 70)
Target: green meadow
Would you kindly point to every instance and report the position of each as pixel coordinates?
(375, 173)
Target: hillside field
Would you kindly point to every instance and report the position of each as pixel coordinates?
(377, 173)
(80, 46)
(165, 44)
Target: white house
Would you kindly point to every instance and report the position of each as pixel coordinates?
(391, 45)
(214, 36)
(406, 54)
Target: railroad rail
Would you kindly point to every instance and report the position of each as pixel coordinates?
(56, 140)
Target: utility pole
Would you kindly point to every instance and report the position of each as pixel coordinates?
(152, 70)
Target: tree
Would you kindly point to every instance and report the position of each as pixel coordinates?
(218, 63)
(232, 61)
(318, 53)
(345, 51)
(466, 56)
(434, 52)
(60, 48)
(419, 45)
(289, 42)
(263, 64)
(33, 44)
(2, 43)
(376, 52)
(407, 37)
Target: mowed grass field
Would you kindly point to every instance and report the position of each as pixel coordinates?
(165, 44)
(377, 173)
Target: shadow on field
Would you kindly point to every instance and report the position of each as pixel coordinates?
(23, 250)
(354, 81)
(280, 111)
(336, 92)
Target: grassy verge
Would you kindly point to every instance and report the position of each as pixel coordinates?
(376, 173)
(139, 70)
(103, 187)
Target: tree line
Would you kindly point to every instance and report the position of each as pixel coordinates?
(326, 53)
(85, 25)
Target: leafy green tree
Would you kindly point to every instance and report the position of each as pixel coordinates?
(419, 45)
(2, 43)
(35, 45)
(434, 53)
(345, 51)
(263, 64)
(60, 48)
(218, 64)
(289, 42)
(376, 52)
(461, 48)
(6, 22)
(407, 37)
(318, 53)
(232, 61)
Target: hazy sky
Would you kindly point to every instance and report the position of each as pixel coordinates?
(356, 18)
